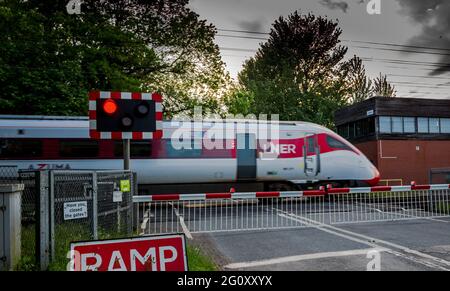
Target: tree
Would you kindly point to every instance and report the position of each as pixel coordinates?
(239, 101)
(382, 87)
(359, 85)
(298, 72)
(49, 59)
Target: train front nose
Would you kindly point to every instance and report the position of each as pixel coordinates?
(375, 176)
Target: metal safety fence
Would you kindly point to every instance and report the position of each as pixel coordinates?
(219, 212)
(86, 205)
(61, 206)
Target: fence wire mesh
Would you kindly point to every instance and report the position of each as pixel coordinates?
(8, 174)
(71, 192)
(11, 175)
(114, 212)
(221, 215)
(88, 205)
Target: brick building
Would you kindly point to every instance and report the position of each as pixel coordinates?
(404, 137)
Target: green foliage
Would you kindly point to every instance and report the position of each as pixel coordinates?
(239, 101)
(300, 73)
(49, 59)
(27, 260)
(382, 87)
(359, 85)
(297, 73)
(197, 261)
(67, 233)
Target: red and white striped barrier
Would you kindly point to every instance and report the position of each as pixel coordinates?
(411, 187)
(227, 195)
(285, 194)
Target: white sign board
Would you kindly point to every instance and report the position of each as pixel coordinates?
(117, 196)
(370, 112)
(75, 210)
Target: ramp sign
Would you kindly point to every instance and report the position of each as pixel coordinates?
(152, 253)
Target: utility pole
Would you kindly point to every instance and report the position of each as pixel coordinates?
(126, 154)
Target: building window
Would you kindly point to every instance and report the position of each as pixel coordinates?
(409, 124)
(385, 124)
(20, 148)
(78, 149)
(351, 129)
(343, 130)
(397, 124)
(445, 125)
(422, 125)
(434, 125)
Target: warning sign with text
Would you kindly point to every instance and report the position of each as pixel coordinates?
(75, 210)
(152, 253)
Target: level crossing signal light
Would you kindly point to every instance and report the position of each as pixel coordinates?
(125, 115)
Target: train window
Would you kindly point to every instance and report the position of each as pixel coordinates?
(192, 152)
(20, 148)
(138, 149)
(78, 148)
(336, 144)
(445, 125)
(311, 144)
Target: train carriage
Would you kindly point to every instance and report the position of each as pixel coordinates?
(304, 155)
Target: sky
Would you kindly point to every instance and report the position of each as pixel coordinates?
(409, 40)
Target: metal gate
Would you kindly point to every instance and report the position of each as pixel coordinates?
(87, 205)
(218, 212)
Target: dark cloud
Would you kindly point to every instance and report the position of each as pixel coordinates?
(256, 25)
(342, 5)
(433, 15)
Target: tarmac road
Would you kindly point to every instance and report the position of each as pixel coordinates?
(312, 238)
(416, 245)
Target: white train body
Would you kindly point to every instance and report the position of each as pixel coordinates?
(307, 153)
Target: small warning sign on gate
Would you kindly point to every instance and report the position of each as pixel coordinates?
(125, 186)
(75, 210)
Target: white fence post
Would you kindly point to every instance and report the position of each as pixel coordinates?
(10, 225)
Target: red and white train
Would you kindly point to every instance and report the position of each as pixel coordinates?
(308, 155)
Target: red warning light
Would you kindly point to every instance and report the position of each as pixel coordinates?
(110, 106)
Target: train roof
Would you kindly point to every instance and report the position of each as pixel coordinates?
(41, 126)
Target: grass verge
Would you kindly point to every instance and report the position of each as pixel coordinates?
(197, 261)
